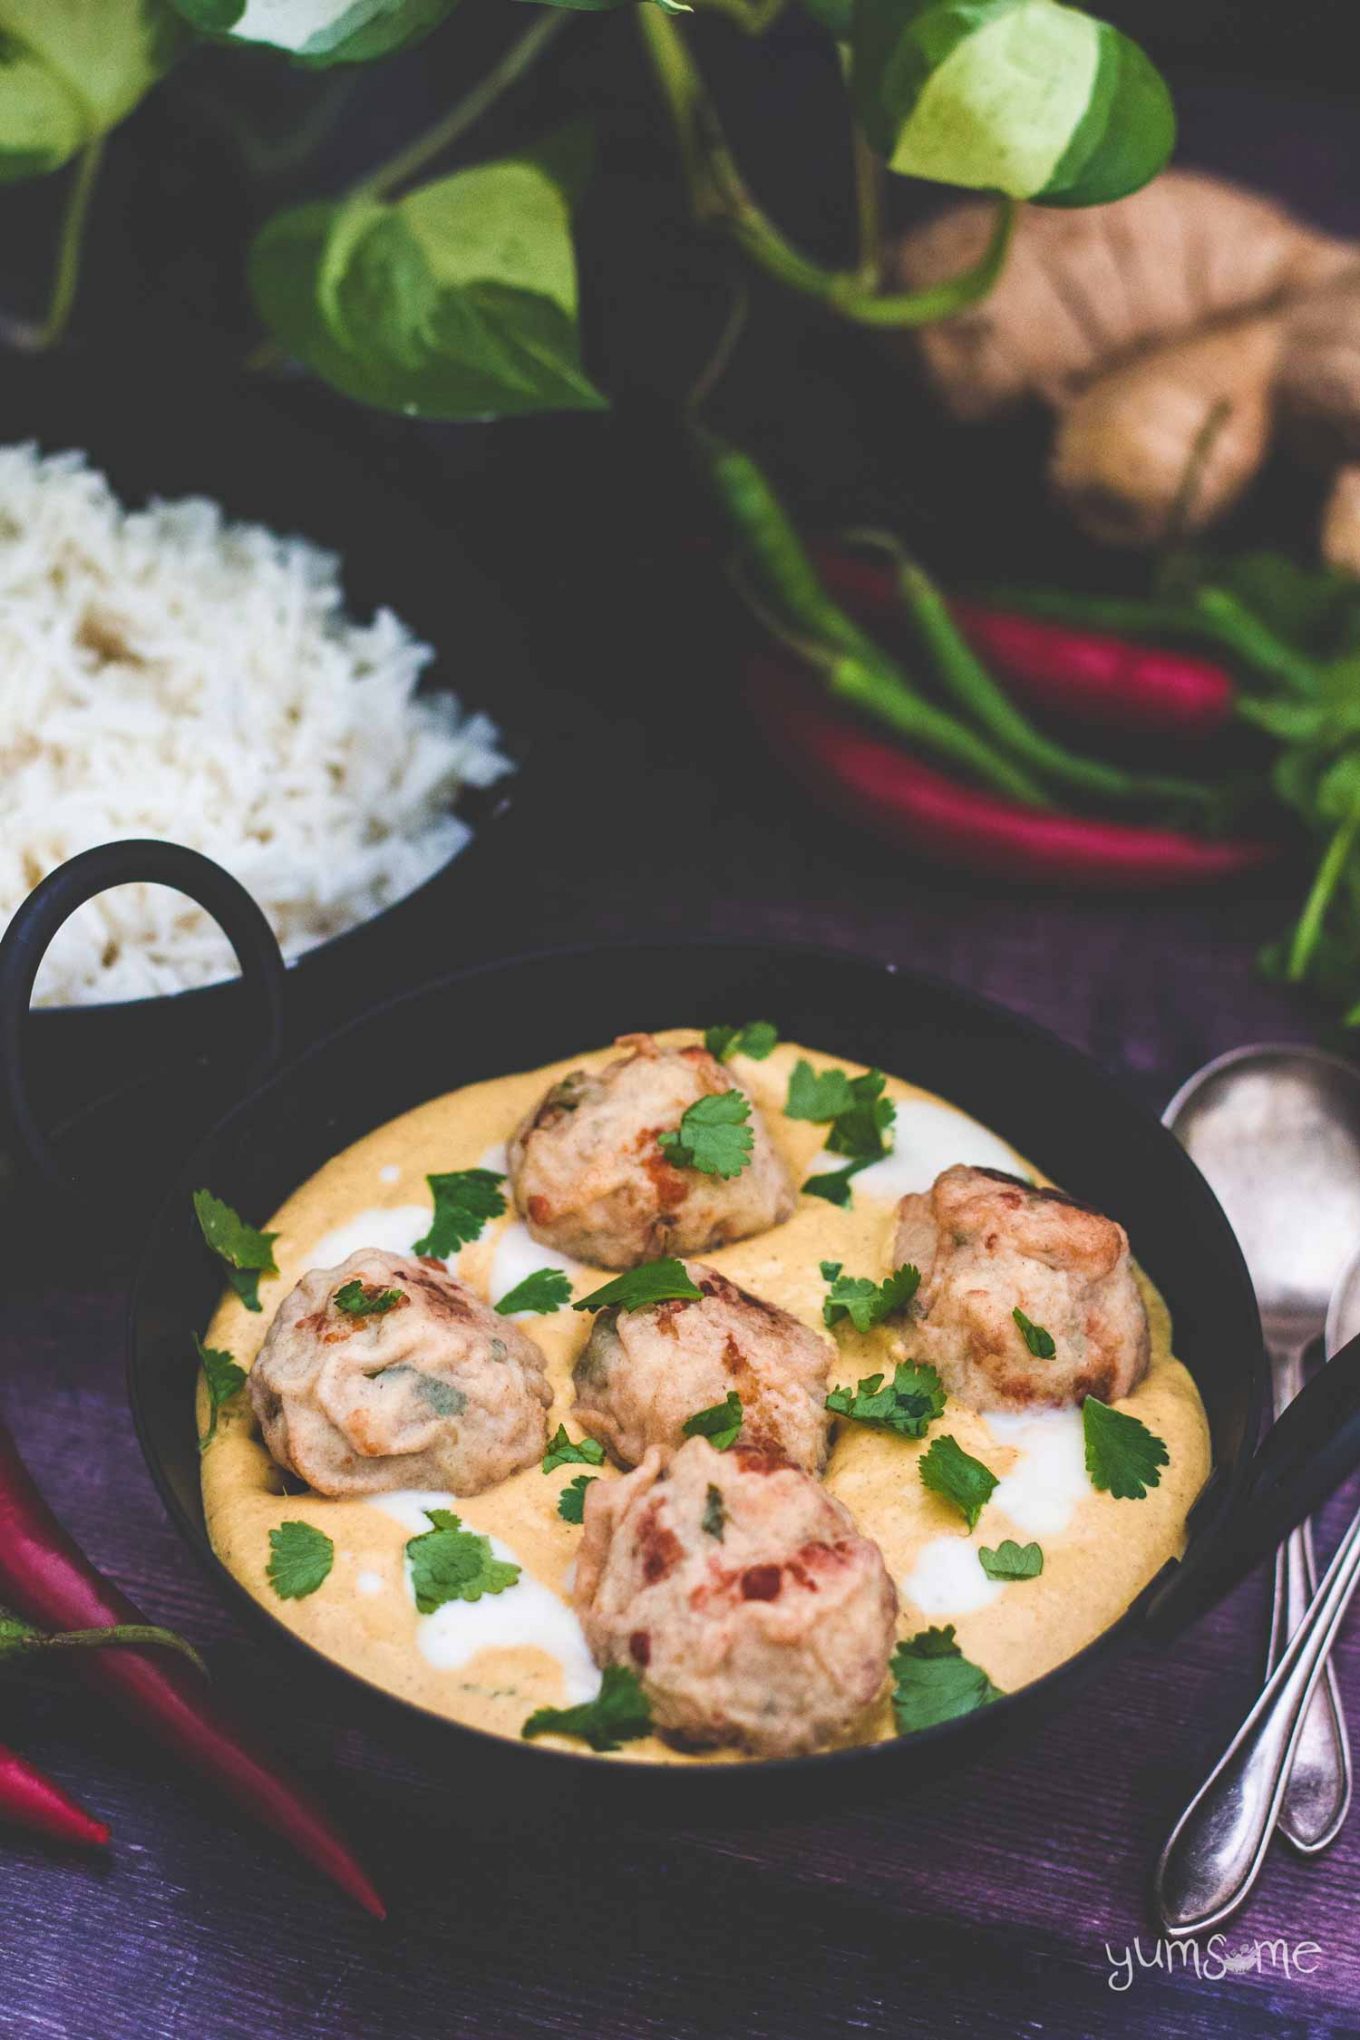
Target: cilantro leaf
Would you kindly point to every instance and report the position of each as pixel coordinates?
(933, 1681)
(1011, 1561)
(565, 1451)
(545, 1291)
(571, 1503)
(720, 1423)
(1123, 1457)
(223, 1378)
(714, 1517)
(834, 1184)
(618, 1714)
(449, 1563)
(247, 1253)
(1039, 1341)
(300, 1558)
(653, 1282)
(858, 1113)
(908, 1407)
(865, 1302)
(359, 1299)
(947, 1470)
(714, 1136)
(758, 1038)
(464, 1200)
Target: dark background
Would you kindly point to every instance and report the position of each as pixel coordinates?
(984, 1904)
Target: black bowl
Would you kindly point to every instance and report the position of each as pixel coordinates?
(1076, 1122)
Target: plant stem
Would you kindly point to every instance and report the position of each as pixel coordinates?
(1309, 929)
(719, 195)
(70, 242)
(868, 209)
(511, 67)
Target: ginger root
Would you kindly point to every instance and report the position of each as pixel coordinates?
(1341, 523)
(1163, 446)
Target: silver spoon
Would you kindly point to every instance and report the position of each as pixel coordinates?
(1277, 1133)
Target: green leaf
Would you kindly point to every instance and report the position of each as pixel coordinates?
(300, 1558)
(618, 1714)
(715, 1136)
(464, 1201)
(858, 1113)
(817, 1094)
(1039, 1341)
(571, 1503)
(909, 1407)
(714, 1519)
(72, 69)
(865, 1302)
(758, 1039)
(359, 1299)
(449, 1563)
(1025, 97)
(1011, 1561)
(457, 301)
(720, 1423)
(224, 1379)
(565, 1451)
(1123, 1457)
(834, 1184)
(950, 1472)
(933, 1681)
(248, 1254)
(543, 1292)
(653, 1282)
(338, 32)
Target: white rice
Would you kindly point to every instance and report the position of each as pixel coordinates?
(165, 673)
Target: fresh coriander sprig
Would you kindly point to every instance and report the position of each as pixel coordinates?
(1039, 1341)
(248, 1254)
(933, 1681)
(953, 1474)
(464, 1200)
(865, 1302)
(543, 1292)
(1011, 1561)
(908, 1406)
(758, 1039)
(223, 1379)
(619, 1713)
(449, 1563)
(1123, 1457)
(854, 1108)
(300, 1560)
(571, 1503)
(714, 1136)
(720, 1423)
(359, 1299)
(654, 1282)
(565, 1451)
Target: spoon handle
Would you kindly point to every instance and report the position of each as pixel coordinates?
(1317, 1793)
(1219, 1843)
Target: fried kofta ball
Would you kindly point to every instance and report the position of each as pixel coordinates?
(643, 1372)
(387, 1373)
(988, 1245)
(741, 1594)
(590, 1178)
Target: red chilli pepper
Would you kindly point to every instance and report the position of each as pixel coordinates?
(47, 1578)
(30, 1800)
(1094, 677)
(883, 788)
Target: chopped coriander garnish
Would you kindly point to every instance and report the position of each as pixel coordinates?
(714, 1137)
(300, 1558)
(865, 1302)
(571, 1503)
(858, 1113)
(947, 1470)
(1123, 1457)
(463, 1202)
(223, 1379)
(545, 1291)
(653, 1282)
(449, 1563)
(715, 1514)
(758, 1038)
(358, 1299)
(565, 1451)
(1039, 1341)
(1011, 1561)
(720, 1423)
(908, 1407)
(247, 1253)
(618, 1714)
(933, 1681)
(834, 1184)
